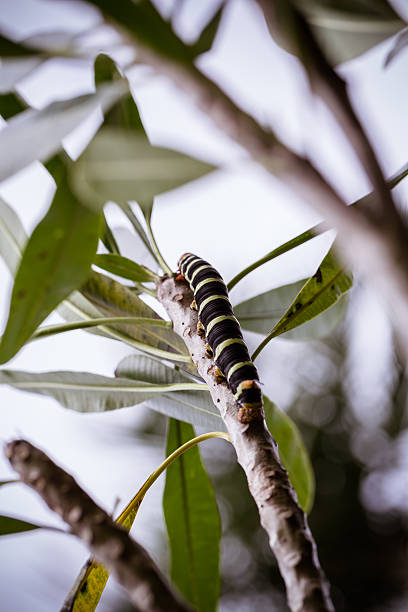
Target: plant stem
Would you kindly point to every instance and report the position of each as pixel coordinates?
(261, 346)
(156, 249)
(392, 182)
(137, 500)
(126, 519)
(144, 289)
(284, 248)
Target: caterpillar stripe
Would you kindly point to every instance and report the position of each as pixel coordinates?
(223, 334)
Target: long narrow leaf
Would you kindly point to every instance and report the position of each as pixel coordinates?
(366, 201)
(193, 523)
(262, 312)
(123, 166)
(292, 452)
(87, 392)
(108, 238)
(123, 114)
(11, 104)
(77, 306)
(326, 287)
(56, 260)
(91, 581)
(51, 330)
(195, 407)
(10, 525)
(345, 30)
(124, 267)
(37, 134)
(206, 39)
(12, 237)
(114, 299)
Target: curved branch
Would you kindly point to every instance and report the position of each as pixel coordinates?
(282, 518)
(286, 22)
(129, 562)
(376, 243)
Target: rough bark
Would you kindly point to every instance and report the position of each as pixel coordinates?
(111, 544)
(282, 518)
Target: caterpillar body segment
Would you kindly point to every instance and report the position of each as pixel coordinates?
(223, 335)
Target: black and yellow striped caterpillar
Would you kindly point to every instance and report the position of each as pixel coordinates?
(225, 343)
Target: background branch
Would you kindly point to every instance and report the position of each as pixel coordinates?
(376, 244)
(282, 518)
(110, 543)
(286, 22)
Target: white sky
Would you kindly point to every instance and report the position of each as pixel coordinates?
(231, 218)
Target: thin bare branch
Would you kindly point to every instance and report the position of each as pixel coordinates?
(110, 543)
(282, 518)
(286, 22)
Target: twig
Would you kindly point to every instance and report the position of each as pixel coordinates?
(129, 562)
(281, 516)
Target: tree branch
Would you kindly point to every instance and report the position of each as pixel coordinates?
(376, 243)
(112, 545)
(282, 518)
(286, 22)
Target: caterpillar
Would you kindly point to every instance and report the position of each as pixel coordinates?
(217, 322)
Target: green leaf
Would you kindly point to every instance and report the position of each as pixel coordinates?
(108, 238)
(43, 45)
(50, 330)
(399, 45)
(37, 134)
(292, 452)
(11, 48)
(112, 299)
(10, 525)
(56, 260)
(11, 104)
(6, 482)
(87, 392)
(137, 226)
(206, 39)
(348, 28)
(124, 113)
(123, 166)
(145, 23)
(77, 306)
(12, 237)
(366, 202)
(262, 312)
(87, 590)
(14, 70)
(195, 407)
(326, 287)
(193, 523)
(124, 267)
